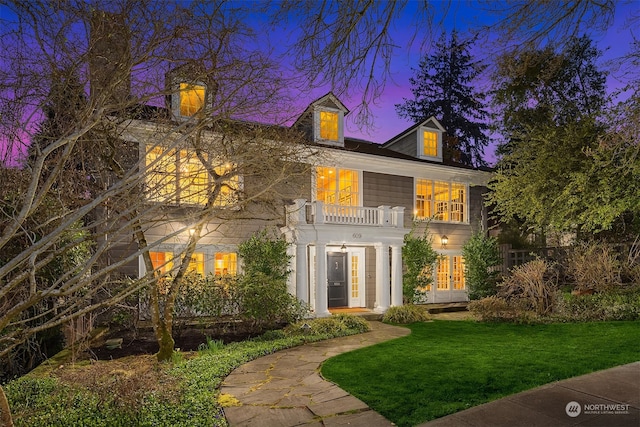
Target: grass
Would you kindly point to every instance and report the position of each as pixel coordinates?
(445, 367)
(138, 391)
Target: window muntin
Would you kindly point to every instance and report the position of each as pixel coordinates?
(440, 200)
(329, 125)
(191, 98)
(194, 179)
(458, 273)
(430, 143)
(225, 263)
(442, 273)
(337, 186)
(162, 261)
(180, 177)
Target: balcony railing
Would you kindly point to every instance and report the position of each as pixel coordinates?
(303, 212)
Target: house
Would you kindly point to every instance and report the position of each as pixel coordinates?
(345, 218)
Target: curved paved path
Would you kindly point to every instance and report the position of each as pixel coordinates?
(285, 388)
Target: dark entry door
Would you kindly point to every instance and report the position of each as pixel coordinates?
(337, 278)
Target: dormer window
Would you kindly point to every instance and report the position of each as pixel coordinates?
(329, 126)
(192, 98)
(430, 143)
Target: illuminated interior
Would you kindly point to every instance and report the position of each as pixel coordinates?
(440, 200)
(442, 274)
(161, 176)
(191, 98)
(226, 263)
(196, 263)
(337, 186)
(194, 179)
(162, 261)
(329, 125)
(458, 272)
(430, 143)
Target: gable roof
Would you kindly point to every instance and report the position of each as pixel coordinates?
(411, 129)
(328, 98)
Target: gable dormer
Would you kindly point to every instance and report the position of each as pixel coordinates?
(188, 92)
(423, 141)
(323, 121)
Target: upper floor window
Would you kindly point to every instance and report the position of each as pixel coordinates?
(180, 177)
(430, 143)
(337, 186)
(329, 125)
(440, 200)
(192, 98)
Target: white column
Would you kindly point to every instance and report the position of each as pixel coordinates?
(396, 275)
(302, 285)
(322, 303)
(383, 291)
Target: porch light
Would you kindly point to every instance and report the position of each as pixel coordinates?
(444, 240)
(343, 249)
(192, 231)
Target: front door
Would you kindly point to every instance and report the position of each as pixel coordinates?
(337, 279)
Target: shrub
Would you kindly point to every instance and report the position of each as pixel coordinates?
(529, 287)
(336, 325)
(621, 304)
(594, 266)
(481, 259)
(419, 257)
(496, 309)
(266, 301)
(404, 314)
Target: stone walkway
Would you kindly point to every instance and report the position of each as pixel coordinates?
(286, 389)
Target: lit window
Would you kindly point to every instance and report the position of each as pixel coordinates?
(441, 191)
(458, 272)
(180, 177)
(162, 261)
(424, 198)
(442, 273)
(337, 186)
(430, 143)
(196, 263)
(191, 98)
(226, 263)
(440, 201)
(194, 179)
(229, 185)
(161, 174)
(329, 125)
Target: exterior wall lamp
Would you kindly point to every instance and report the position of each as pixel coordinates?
(444, 240)
(343, 248)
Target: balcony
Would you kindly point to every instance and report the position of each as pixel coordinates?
(304, 212)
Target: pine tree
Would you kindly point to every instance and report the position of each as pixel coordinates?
(443, 87)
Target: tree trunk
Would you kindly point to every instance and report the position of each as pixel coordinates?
(5, 411)
(165, 340)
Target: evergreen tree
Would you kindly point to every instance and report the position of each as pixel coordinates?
(443, 87)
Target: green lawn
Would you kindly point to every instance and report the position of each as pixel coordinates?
(447, 366)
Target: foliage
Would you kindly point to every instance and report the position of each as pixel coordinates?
(496, 309)
(619, 304)
(443, 367)
(336, 325)
(50, 401)
(404, 314)
(213, 295)
(531, 286)
(419, 258)
(265, 253)
(550, 104)
(266, 301)
(594, 266)
(481, 259)
(443, 87)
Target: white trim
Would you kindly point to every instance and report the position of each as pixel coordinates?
(421, 130)
(316, 126)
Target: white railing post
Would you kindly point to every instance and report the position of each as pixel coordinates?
(398, 216)
(318, 212)
(385, 216)
(296, 213)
